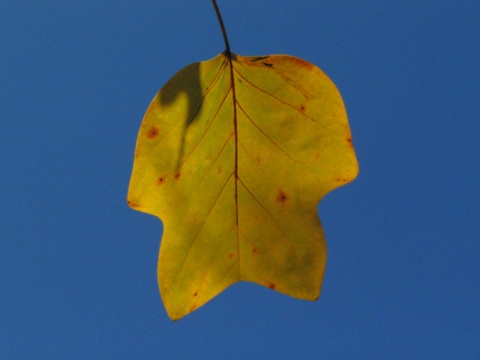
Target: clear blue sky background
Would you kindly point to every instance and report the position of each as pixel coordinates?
(78, 267)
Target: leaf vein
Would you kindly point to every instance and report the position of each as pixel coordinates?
(195, 237)
(215, 160)
(263, 207)
(205, 131)
(273, 96)
(264, 133)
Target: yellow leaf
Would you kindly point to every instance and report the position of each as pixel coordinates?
(234, 155)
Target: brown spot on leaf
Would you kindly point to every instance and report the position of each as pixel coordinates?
(302, 108)
(350, 142)
(161, 180)
(177, 175)
(272, 286)
(132, 204)
(254, 250)
(153, 132)
(281, 197)
(341, 180)
(230, 255)
(219, 170)
(195, 294)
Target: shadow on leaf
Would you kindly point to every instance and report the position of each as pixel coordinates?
(186, 82)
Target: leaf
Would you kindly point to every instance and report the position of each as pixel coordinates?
(234, 156)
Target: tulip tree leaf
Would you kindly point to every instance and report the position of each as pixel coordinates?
(233, 155)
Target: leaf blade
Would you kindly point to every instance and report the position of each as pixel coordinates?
(253, 159)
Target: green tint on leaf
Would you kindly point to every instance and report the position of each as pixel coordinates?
(233, 155)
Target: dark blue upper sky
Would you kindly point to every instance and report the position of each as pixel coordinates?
(78, 267)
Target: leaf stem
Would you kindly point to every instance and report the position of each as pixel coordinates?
(222, 26)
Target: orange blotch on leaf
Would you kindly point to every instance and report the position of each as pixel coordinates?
(281, 197)
(132, 204)
(153, 132)
(301, 63)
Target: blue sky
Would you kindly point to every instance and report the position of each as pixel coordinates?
(78, 267)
